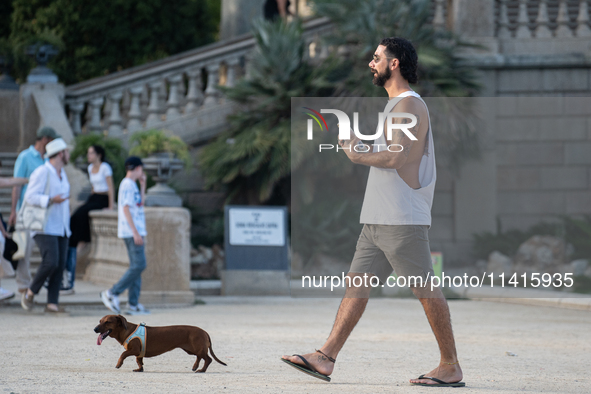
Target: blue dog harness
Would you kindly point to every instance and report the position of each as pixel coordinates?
(140, 333)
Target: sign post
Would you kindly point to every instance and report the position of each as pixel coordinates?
(256, 248)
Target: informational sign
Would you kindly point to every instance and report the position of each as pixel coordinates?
(256, 227)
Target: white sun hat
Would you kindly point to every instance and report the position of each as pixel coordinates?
(55, 146)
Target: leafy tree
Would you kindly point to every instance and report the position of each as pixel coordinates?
(104, 37)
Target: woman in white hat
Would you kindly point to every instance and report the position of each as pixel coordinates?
(53, 240)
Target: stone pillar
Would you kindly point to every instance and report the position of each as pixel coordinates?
(76, 109)
(194, 95)
(134, 114)
(115, 121)
(542, 30)
(173, 100)
(563, 30)
(583, 29)
(167, 277)
(95, 108)
(211, 93)
(523, 21)
(503, 31)
(153, 107)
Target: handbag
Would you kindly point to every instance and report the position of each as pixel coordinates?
(20, 238)
(32, 217)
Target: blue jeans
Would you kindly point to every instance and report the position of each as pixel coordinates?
(132, 279)
(70, 271)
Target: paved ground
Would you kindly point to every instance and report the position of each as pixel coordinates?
(392, 343)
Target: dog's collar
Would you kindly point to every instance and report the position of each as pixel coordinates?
(140, 333)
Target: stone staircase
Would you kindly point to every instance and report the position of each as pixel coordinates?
(7, 170)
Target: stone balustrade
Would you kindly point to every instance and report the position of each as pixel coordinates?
(542, 19)
(179, 93)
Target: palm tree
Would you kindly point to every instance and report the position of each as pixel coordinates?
(252, 158)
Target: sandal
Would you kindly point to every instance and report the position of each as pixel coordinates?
(308, 368)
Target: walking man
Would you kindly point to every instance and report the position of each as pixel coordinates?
(49, 188)
(396, 214)
(132, 229)
(27, 162)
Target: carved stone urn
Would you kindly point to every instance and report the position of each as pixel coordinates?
(161, 167)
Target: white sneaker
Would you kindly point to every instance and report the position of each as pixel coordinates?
(110, 300)
(138, 309)
(5, 294)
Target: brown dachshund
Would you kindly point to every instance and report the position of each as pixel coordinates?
(144, 341)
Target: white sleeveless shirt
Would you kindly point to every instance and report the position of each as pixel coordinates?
(388, 199)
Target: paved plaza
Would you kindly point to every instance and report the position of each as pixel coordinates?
(391, 344)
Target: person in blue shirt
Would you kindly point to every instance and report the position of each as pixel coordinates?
(27, 162)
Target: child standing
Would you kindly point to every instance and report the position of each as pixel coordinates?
(132, 229)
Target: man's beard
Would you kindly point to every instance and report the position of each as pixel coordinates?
(381, 79)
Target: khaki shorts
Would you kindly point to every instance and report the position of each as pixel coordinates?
(403, 249)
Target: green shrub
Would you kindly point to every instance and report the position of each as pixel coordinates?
(146, 143)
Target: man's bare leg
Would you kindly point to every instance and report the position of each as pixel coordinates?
(350, 311)
(437, 312)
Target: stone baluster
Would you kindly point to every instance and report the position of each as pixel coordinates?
(439, 19)
(172, 111)
(162, 96)
(76, 110)
(503, 31)
(96, 105)
(115, 120)
(523, 21)
(125, 103)
(211, 92)
(154, 106)
(134, 115)
(563, 30)
(144, 101)
(195, 94)
(542, 30)
(583, 29)
(231, 73)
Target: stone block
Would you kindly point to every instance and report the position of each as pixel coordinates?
(530, 153)
(577, 106)
(517, 129)
(442, 228)
(516, 178)
(166, 279)
(577, 152)
(506, 106)
(562, 128)
(515, 81)
(578, 202)
(255, 282)
(536, 203)
(565, 80)
(442, 204)
(564, 178)
(524, 222)
(444, 181)
(540, 106)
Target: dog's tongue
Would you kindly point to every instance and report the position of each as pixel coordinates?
(99, 340)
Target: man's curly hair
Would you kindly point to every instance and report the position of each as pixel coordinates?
(405, 52)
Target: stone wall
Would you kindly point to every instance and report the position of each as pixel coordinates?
(166, 279)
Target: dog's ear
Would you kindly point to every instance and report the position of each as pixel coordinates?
(123, 321)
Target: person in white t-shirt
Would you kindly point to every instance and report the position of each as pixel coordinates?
(102, 197)
(132, 229)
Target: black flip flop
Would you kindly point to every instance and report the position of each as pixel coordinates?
(440, 383)
(308, 368)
